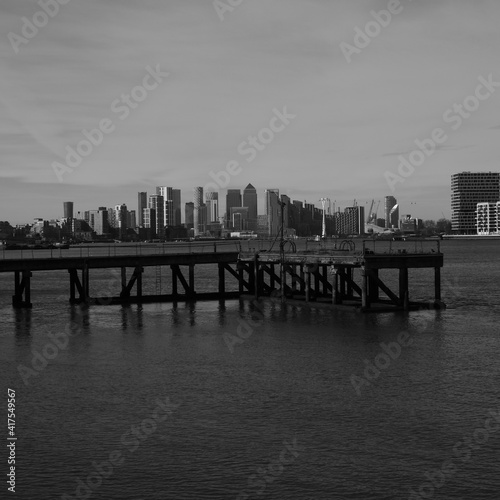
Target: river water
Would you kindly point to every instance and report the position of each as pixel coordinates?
(257, 400)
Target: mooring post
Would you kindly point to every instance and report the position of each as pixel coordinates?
(302, 279)
(437, 283)
(86, 283)
(251, 280)
(191, 280)
(72, 286)
(343, 283)
(222, 281)
(17, 297)
(316, 280)
(335, 286)
(365, 303)
(27, 288)
(283, 281)
(373, 290)
(350, 275)
(138, 272)
(308, 282)
(124, 278)
(174, 280)
(256, 276)
(241, 269)
(403, 288)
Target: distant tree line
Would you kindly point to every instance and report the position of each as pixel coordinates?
(432, 228)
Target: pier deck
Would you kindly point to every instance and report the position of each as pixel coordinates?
(338, 275)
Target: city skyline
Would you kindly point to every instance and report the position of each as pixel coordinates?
(312, 104)
(152, 193)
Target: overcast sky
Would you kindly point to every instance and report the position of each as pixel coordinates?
(355, 108)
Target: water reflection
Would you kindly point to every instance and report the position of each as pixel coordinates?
(132, 318)
(23, 323)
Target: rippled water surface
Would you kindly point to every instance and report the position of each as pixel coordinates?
(186, 409)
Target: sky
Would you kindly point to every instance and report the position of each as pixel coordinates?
(334, 94)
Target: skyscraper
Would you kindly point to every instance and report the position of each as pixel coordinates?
(273, 211)
(198, 202)
(189, 215)
(98, 220)
(233, 199)
(212, 202)
(121, 218)
(68, 209)
(168, 209)
(250, 201)
(176, 199)
(239, 218)
(391, 212)
(157, 203)
(467, 190)
(142, 203)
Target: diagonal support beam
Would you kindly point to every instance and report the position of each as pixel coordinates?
(347, 279)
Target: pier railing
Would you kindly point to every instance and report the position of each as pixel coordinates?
(413, 246)
(96, 250)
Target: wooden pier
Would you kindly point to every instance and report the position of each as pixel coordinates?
(335, 276)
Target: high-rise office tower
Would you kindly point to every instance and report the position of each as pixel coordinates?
(391, 212)
(189, 215)
(149, 221)
(98, 221)
(239, 218)
(168, 209)
(233, 199)
(273, 211)
(157, 203)
(198, 202)
(250, 201)
(132, 219)
(212, 202)
(176, 199)
(142, 203)
(121, 219)
(467, 190)
(68, 209)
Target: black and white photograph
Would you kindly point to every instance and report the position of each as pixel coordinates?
(250, 249)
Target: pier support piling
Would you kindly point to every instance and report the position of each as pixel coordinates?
(22, 286)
